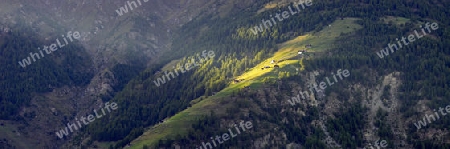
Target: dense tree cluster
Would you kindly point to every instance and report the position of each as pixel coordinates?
(236, 48)
(68, 66)
(424, 66)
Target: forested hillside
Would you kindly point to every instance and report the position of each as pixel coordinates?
(68, 66)
(422, 64)
(382, 98)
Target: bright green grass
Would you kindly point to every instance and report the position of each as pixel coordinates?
(395, 20)
(181, 122)
(176, 125)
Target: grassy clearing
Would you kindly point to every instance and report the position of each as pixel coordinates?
(274, 5)
(169, 66)
(321, 41)
(181, 122)
(267, 7)
(270, 6)
(176, 125)
(395, 20)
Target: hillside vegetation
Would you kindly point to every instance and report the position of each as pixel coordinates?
(381, 99)
(174, 126)
(343, 45)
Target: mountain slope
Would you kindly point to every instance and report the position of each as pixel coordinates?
(353, 52)
(120, 57)
(219, 102)
(68, 84)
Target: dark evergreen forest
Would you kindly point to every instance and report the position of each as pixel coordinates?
(234, 55)
(143, 104)
(18, 84)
